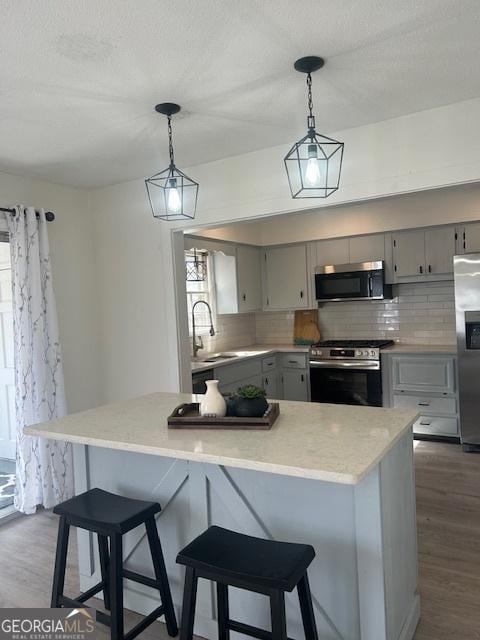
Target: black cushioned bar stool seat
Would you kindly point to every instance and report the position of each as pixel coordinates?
(264, 566)
(110, 516)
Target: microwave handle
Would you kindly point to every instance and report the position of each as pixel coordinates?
(370, 286)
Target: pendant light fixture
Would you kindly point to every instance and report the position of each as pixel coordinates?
(172, 194)
(314, 163)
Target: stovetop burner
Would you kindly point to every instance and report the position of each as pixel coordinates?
(354, 344)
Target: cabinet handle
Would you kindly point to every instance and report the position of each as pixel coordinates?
(424, 404)
(420, 269)
(395, 268)
(244, 297)
(266, 380)
(302, 378)
(268, 302)
(423, 423)
(301, 294)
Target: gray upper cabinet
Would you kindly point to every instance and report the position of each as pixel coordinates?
(249, 278)
(286, 280)
(409, 254)
(424, 254)
(470, 238)
(367, 248)
(332, 252)
(440, 247)
(238, 282)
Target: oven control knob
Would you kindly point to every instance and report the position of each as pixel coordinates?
(358, 353)
(372, 352)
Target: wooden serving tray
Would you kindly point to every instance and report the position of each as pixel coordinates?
(187, 416)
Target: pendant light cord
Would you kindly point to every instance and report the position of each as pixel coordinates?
(170, 142)
(311, 117)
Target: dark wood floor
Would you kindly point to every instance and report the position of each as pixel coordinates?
(448, 515)
(448, 510)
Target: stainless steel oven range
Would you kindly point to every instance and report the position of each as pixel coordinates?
(347, 371)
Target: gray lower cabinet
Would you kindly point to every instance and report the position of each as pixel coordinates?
(427, 383)
(284, 376)
(272, 383)
(295, 385)
(232, 376)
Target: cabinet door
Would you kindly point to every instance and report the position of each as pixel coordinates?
(249, 278)
(332, 252)
(367, 248)
(295, 385)
(409, 254)
(225, 267)
(423, 374)
(272, 386)
(286, 277)
(440, 247)
(471, 238)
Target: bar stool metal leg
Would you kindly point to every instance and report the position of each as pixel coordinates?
(188, 607)
(306, 607)
(104, 568)
(279, 621)
(116, 587)
(222, 611)
(161, 576)
(60, 562)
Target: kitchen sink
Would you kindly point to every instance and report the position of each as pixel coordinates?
(220, 356)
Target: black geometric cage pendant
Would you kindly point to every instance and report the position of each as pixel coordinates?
(314, 163)
(172, 194)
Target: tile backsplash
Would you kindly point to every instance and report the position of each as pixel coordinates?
(420, 313)
(231, 331)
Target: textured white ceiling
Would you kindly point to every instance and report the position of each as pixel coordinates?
(79, 78)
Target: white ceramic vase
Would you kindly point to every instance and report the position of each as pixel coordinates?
(213, 403)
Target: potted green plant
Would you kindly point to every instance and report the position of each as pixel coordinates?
(250, 402)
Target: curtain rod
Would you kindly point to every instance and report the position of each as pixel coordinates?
(49, 215)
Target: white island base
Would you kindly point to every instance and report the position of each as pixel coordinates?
(364, 576)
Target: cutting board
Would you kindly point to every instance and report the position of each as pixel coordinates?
(306, 329)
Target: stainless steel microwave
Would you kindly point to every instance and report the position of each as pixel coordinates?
(360, 281)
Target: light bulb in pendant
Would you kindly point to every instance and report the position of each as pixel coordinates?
(312, 172)
(174, 200)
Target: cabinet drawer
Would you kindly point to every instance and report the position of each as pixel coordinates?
(294, 360)
(423, 374)
(235, 372)
(426, 404)
(269, 363)
(436, 426)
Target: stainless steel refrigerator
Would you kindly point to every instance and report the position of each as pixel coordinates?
(467, 305)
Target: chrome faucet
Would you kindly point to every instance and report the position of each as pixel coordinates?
(196, 346)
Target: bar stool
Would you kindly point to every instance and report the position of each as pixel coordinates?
(254, 564)
(110, 516)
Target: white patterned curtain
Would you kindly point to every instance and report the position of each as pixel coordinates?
(44, 467)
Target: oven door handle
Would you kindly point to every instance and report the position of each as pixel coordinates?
(362, 365)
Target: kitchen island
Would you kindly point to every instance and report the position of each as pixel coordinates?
(338, 477)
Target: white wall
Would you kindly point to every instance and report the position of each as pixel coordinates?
(422, 209)
(71, 244)
(430, 149)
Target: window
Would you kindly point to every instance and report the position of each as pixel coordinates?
(198, 274)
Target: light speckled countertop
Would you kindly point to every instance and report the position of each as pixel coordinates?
(251, 351)
(333, 443)
(256, 350)
(400, 347)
